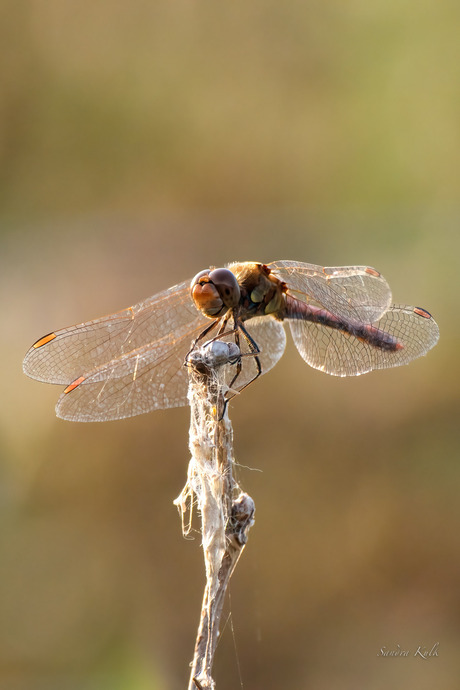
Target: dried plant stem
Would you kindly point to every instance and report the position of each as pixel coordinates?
(226, 512)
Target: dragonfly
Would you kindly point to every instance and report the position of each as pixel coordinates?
(342, 321)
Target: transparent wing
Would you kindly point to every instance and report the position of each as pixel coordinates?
(154, 376)
(342, 354)
(270, 337)
(149, 378)
(131, 362)
(126, 363)
(66, 354)
(353, 292)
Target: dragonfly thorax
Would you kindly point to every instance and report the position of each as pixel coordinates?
(262, 293)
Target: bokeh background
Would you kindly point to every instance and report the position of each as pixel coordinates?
(140, 143)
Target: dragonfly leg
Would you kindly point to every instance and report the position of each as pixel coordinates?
(223, 325)
(255, 352)
(203, 333)
(238, 364)
(221, 332)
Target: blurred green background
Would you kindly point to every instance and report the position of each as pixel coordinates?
(140, 143)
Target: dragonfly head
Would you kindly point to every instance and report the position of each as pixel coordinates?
(215, 291)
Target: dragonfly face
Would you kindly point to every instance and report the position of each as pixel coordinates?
(131, 362)
(215, 291)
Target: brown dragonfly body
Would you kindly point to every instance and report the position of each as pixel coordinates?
(263, 294)
(131, 362)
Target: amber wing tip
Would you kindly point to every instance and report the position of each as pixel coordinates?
(43, 341)
(74, 384)
(422, 312)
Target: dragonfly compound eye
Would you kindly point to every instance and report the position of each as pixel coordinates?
(227, 285)
(216, 291)
(206, 296)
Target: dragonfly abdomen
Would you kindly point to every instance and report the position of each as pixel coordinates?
(298, 310)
